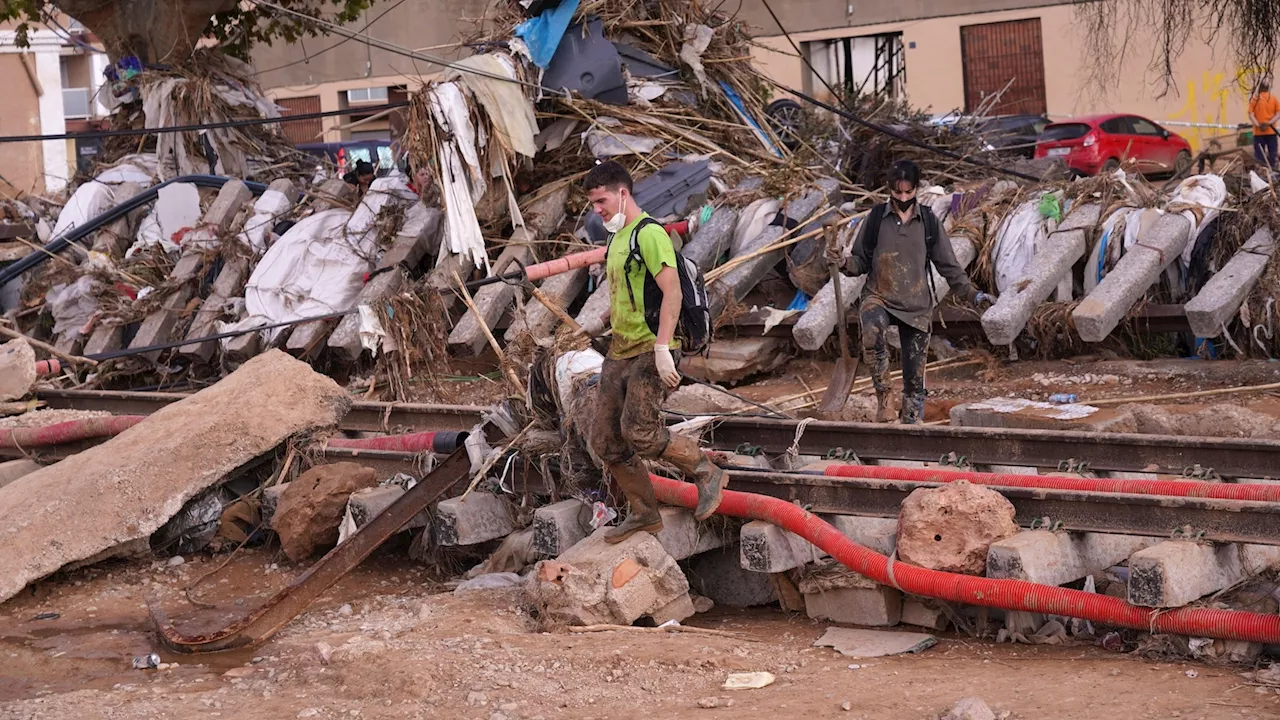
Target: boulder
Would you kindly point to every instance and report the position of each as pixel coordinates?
(311, 507)
(17, 369)
(598, 583)
(951, 527)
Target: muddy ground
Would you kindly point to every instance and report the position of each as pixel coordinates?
(388, 642)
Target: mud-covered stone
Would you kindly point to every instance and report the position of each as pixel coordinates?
(951, 527)
(307, 516)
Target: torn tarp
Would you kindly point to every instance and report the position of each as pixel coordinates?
(542, 34)
(462, 179)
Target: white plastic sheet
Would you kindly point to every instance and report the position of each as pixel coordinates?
(753, 219)
(508, 108)
(72, 305)
(87, 202)
(177, 207)
(266, 211)
(1020, 234)
(462, 178)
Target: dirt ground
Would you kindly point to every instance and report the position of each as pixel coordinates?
(389, 643)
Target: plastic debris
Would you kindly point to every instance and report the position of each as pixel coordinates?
(748, 681)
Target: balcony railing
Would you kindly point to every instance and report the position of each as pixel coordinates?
(77, 103)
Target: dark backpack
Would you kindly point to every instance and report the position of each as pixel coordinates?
(693, 327)
(932, 234)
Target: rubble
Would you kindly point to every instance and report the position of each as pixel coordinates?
(307, 514)
(952, 527)
(127, 487)
(17, 369)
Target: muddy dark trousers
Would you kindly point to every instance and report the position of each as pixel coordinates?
(1264, 150)
(876, 321)
(628, 430)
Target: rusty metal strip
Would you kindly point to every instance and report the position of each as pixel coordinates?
(289, 602)
(1147, 515)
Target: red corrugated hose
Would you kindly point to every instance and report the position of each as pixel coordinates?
(70, 431)
(1005, 594)
(1176, 488)
(443, 441)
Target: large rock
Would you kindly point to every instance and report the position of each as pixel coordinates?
(598, 583)
(128, 487)
(310, 509)
(950, 528)
(17, 369)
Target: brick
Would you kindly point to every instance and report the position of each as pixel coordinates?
(878, 607)
(1178, 572)
(478, 517)
(559, 526)
(1050, 558)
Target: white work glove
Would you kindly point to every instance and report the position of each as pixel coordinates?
(666, 365)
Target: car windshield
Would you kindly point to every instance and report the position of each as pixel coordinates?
(1064, 131)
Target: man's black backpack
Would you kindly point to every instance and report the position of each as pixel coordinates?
(694, 325)
(932, 234)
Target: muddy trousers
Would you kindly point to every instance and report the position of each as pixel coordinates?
(876, 321)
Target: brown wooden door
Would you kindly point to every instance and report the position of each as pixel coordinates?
(993, 54)
(301, 131)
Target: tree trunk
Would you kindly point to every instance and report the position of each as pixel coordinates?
(155, 31)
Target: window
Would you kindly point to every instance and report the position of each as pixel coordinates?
(1064, 131)
(1116, 126)
(1145, 127)
(363, 95)
(870, 64)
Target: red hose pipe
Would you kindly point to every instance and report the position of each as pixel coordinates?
(1175, 488)
(1005, 594)
(70, 431)
(48, 367)
(441, 442)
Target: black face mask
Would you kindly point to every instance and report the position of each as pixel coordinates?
(903, 205)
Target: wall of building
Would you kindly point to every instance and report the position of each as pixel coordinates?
(808, 15)
(21, 164)
(1208, 89)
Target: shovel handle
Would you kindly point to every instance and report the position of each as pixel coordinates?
(829, 231)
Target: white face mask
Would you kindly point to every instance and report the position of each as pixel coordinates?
(616, 223)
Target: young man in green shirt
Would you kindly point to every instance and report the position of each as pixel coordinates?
(640, 370)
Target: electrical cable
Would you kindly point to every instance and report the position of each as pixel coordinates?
(201, 126)
(866, 123)
(219, 336)
(772, 413)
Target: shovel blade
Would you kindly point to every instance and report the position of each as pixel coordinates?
(837, 393)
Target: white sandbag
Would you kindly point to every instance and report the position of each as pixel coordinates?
(270, 207)
(87, 202)
(573, 366)
(1021, 232)
(140, 169)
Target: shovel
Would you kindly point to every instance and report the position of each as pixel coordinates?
(841, 383)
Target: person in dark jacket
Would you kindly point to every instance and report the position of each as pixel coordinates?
(361, 177)
(895, 245)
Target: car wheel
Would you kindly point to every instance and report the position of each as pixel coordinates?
(1110, 166)
(787, 119)
(1182, 162)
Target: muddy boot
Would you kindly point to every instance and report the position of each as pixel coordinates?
(707, 476)
(633, 478)
(912, 409)
(884, 413)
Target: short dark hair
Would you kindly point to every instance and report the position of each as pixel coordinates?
(904, 170)
(1264, 86)
(364, 167)
(609, 175)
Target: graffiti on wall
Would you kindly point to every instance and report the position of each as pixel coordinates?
(1215, 98)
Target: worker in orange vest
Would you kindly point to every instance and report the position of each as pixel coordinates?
(1263, 109)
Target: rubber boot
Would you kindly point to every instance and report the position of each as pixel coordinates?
(633, 478)
(884, 413)
(912, 409)
(709, 478)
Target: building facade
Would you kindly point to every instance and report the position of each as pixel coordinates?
(52, 87)
(999, 57)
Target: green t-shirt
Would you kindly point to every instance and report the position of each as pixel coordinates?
(631, 334)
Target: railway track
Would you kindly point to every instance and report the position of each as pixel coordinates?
(1229, 458)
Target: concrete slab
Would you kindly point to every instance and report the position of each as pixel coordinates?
(559, 526)
(683, 537)
(1175, 573)
(818, 321)
(477, 518)
(127, 487)
(768, 548)
(368, 503)
(873, 607)
(712, 239)
(1019, 413)
(1051, 263)
(14, 469)
(1050, 558)
(873, 643)
(1224, 293)
(728, 361)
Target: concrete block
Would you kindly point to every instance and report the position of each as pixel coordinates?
(875, 533)
(478, 517)
(242, 347)
(158, 327)
(368, 503)
(1003, 321)
(492, 301)
(115, 238)
(1050, 558)
(965, 250)
(105, 338)
(229, 284)
(232, 196)
(420, 233)
(1158, 246)
(915, 612)
(595, 311)
(561, 289)
(719, 575)
(441, 277)
(728, 361)
(712, 239)
(767, 548)
(818, 321)
(875, 607)
(735, 284)
(559, 526)
(1177, 572)
(683, 537)
(346, 336)
(332, 193)
(14, 469)
(1221, 297)
(595, 582)
(306, 339)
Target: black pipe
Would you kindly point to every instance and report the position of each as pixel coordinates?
(61, 242)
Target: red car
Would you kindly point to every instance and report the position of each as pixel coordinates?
(1100, 143)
